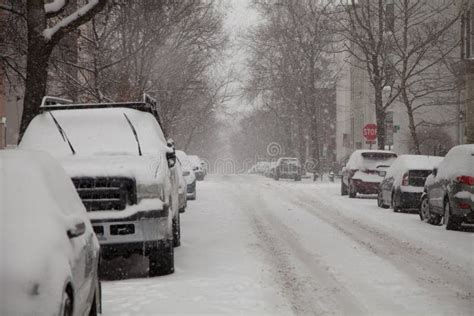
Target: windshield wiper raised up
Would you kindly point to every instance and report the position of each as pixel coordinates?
(134, 133)
(63, 133)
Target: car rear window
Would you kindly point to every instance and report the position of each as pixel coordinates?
(378, 156)
(417, 178)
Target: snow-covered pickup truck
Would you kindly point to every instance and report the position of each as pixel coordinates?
(123, 170)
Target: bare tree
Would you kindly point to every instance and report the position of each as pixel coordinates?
(291, 72)
(363, 26)
(44, 31)
(422, 42)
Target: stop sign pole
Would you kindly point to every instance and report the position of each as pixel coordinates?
(370, 133)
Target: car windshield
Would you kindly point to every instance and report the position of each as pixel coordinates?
(95, 132)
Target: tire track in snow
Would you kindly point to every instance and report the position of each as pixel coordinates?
(429, 271)
(309, 287)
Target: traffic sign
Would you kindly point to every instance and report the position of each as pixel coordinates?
(370, 132)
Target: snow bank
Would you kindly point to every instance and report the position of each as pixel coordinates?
(36, 199)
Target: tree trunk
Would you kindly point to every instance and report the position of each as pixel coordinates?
(380, 117)
(37, 58)
(411, 119)
(413, 133)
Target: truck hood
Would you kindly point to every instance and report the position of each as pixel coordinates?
(144, 169)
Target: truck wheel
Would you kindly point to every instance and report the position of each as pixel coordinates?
(161, 259)
(67, 307)
(343, 188)
(435, 219)
(395, 206)
(380, 202)
(425, 209)
(352, 192)
(93, 311)
(176, 231)
(452, 222)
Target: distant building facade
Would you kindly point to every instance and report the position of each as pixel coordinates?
(355, 107)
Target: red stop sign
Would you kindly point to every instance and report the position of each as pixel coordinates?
(370, 132)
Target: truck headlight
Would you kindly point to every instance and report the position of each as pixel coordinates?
(150, 191)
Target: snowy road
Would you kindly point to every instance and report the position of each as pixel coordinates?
(251, 245)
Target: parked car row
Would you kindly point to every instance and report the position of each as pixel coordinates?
(283, 168)
(89, 179)
(440, 189)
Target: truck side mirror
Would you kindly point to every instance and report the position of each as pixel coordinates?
(435, 171)
(171, 156)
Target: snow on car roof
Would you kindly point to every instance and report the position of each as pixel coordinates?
(94, 132)
(376, 158)
(405, 163)
(418, 162)
(458, 161)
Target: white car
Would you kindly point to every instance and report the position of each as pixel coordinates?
(182, 187)
(188, 174)
(197, 166)
(50, 254)
(123, 170)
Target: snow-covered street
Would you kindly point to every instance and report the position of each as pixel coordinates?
(251, 245)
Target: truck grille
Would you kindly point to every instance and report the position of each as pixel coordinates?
(106, 193)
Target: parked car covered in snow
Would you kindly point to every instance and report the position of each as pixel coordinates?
(121, 166)
(403, 184)
(182, 187)
(50, 254)
(188, 174)
(196, 164)
(451, 191)
(287, 168)
(364, 171)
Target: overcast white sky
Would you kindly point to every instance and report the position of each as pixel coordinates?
(239, 18)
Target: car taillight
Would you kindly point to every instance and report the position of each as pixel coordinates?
(464, 206)
(405, 179)
(466, 180)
